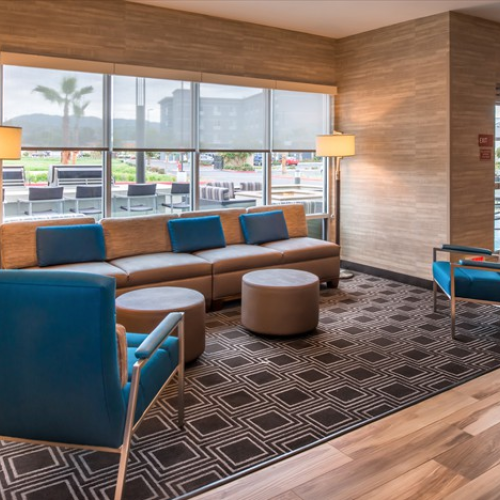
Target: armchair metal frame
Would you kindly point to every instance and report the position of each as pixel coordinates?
(462, 264)
(153, 342)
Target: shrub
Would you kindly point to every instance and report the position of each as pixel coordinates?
(241, 168)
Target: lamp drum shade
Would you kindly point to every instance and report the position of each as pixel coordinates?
(10, 143)
(335, 145)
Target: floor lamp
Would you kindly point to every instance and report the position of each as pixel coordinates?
(336, 146)
(10, 149)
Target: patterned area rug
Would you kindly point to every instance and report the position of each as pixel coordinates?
(251, 400)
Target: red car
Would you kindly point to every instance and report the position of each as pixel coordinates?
(290, 160)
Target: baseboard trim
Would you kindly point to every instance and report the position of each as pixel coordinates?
(391, 275)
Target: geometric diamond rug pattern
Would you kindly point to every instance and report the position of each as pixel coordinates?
(251, 400)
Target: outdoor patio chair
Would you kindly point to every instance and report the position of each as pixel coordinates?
(86, 195)
(139, 193)
(466, 280)
(13, 176)
(49, 200)
(179, 189)
(70, 377)
(251, 186)
(228, 185)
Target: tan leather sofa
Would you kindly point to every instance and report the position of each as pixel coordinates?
(139, 252)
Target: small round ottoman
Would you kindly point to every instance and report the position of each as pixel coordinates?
(140, 311)
(280, 301)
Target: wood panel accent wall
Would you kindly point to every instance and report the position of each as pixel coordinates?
(475, 72)
(394, 96)
(121, 32)
(415, 95)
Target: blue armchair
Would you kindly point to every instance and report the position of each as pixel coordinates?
(61, 380)
(465, 280)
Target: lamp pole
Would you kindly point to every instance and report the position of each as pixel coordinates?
(336, 146)
(337, 199)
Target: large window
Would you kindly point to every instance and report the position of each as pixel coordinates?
(232, 140)
(297, 175)
(231, 118)
(126, 145)
(298, 117)
(151, 127)
(298, 178)
(56, 109)
(150, 113)
(231, 179)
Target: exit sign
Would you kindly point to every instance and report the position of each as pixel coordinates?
(485, 140)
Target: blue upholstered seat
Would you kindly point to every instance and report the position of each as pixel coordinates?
(60, 374)
(469, 283)
(473, 280)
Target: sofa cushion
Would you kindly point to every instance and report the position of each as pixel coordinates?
(230, 221)
(18, 240)
(70, 244)
(304, 248)
(263, 227)
(102, 268)
(295, 217)
(127, 236)
(197, 233)
(160, 267)
(240, 257)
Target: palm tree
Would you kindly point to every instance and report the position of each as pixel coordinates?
(68, 96)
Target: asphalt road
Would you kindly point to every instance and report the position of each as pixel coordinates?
(310, 173)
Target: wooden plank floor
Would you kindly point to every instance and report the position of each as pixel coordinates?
(447, 447)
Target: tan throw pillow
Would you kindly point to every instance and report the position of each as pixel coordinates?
(121, 341)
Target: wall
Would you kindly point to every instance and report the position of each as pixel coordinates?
(475, 72)
(128, 33)
(394, 96)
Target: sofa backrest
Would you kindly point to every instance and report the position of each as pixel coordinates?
(127, 236)
(18, 240)
(230, 222)
(295, 217)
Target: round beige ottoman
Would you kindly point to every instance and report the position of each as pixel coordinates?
(280, 301)
(140, 311)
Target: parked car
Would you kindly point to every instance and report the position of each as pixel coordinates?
(257, 160)
(206, 159)
(291, 160)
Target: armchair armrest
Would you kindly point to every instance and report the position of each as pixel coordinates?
(465, 249)
(156, 338)
(493, 266)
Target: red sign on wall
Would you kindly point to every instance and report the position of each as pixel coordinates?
(485, 140)
(485, 154)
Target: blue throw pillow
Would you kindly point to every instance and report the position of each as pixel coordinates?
(70, 244)
(196, 233)
(264, 226)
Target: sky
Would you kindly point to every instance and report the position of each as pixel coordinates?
(19, 98)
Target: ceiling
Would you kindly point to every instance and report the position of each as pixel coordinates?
(331, 18)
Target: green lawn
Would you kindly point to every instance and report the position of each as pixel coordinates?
(36, 169)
